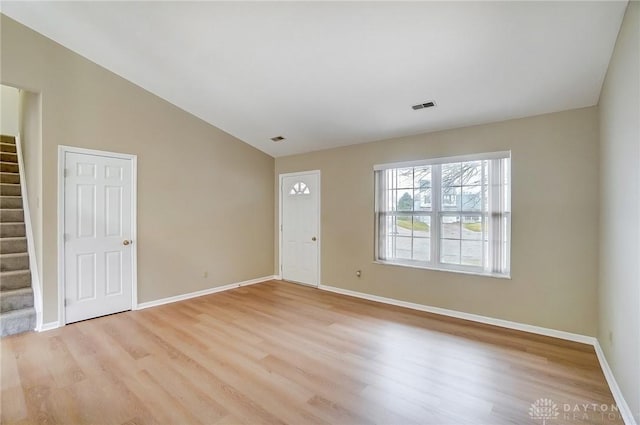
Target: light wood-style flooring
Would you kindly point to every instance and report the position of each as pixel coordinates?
(278, 353)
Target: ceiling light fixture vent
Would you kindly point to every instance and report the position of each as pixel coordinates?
(429, 104)
(277, 139)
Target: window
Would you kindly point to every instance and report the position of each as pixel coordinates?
(299, 188)
(446, 213)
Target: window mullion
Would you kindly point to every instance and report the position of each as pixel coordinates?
(436, 184)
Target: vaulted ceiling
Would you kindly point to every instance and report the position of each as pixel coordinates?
(327, 74)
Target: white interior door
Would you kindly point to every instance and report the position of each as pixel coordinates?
(98, 252)
(300, 195)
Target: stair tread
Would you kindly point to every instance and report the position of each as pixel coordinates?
(23, 312)
(15, 279)
(15, 272)
(13, 254)
(20, 291)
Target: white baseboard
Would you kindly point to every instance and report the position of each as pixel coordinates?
(195, 294)
(466, 316)
(625, 411)
(49, 326)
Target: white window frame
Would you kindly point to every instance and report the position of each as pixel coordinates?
(500, 258)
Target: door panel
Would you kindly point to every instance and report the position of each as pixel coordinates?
(114, 272)
(86, 206)
(86, 276)
(300, 239)
(98, 219)
(113, 210)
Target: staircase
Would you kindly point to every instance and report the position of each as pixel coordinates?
(16, 296)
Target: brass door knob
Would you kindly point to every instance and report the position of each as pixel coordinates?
(313, 238)
(126, 242)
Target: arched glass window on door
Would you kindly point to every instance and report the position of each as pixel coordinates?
(299, 188)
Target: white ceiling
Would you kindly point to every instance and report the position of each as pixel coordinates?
(327, 74)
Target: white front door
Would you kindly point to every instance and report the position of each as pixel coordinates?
(300, 195)
(98, 228)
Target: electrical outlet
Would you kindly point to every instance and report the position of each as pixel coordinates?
(205, 275)
(611, 337)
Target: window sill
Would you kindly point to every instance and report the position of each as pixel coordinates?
(439, 269)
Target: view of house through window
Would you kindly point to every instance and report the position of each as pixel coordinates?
(450, 213)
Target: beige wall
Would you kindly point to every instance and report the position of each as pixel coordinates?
(555, 221)
(9, 110)
(205, 199)
(30, 118)
(619, 291)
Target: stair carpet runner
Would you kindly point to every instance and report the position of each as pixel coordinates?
(17, 313)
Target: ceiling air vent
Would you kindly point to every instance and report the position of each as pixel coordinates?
(423, 105)
(277, 139)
